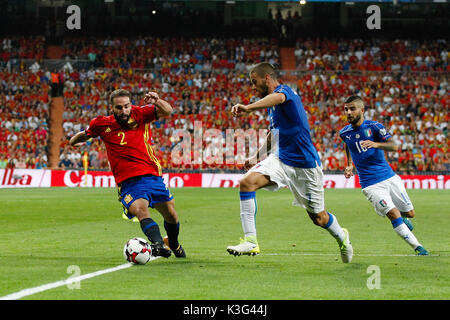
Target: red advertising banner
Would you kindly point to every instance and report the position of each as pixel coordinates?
(19, 178)
(421, 182)
(426, 182)
(105, 179)
(178, 180)
(22, 178)
(76, 178)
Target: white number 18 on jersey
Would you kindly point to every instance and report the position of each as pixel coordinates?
(360, 147)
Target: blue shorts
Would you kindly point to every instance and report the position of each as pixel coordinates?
(149, 187)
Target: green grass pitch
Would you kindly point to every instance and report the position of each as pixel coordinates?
(44, 231)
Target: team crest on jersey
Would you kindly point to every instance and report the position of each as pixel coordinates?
(108, 130)
(357, 136)
(132, 124)
(368, 132)
(128, 198)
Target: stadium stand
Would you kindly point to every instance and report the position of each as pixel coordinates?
(404, 85)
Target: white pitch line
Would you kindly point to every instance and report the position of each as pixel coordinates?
(336, 254)
(30, 291)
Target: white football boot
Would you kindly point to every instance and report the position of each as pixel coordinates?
(346, 248)
(248, 246)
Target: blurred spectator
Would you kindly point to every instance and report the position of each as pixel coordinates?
(3, 162)
(65, 162)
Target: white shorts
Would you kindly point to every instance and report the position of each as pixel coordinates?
(306, 184)
(387, 195)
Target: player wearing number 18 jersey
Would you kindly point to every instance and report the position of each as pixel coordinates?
(138, 174)
(365, 143)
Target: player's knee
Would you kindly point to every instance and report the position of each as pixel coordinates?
(140, 212)
(246, 185)
(410, 214)
(319, 219)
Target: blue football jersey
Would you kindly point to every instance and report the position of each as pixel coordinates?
(370, 163)
(289, 123)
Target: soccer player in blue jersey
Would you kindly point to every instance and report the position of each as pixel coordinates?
(365, 143)
(294, 163)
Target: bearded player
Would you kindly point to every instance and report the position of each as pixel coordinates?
(295, 163)
(365, 143)
(137, 172)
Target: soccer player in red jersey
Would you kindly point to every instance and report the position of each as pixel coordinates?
(138, 174)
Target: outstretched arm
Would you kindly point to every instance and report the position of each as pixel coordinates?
(163, 108)
(270, 100)
(78, 138)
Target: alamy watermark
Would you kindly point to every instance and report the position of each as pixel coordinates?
(75, 272)
(374, 280)
(214, 146)
(74, 20)
(374, 20)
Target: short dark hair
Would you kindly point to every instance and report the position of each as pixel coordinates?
(263, 68)
(353, 98)
(119, 93)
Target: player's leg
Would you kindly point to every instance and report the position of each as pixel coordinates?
(161, 199)
(307, 187)
(125, 214)
(404, 208)
(172, 226)
(248, 185)
(406, 216)
(136, 199)
(266, 174)
(329, 222)
(379, 195)
(150, 228)
(401, 200)
(404, 232)
(247, 189)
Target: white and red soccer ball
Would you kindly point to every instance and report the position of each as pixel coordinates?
(137, 251)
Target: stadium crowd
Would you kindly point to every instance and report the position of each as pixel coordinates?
(203, 78)
(372, 55)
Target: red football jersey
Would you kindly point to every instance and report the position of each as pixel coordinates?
(129, 149)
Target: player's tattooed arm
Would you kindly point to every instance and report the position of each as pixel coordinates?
(386, 146)
(78, 138)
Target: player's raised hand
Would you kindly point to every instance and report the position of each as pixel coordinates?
(369, 144)
(348, 172)
(151, 97)
(239, 109)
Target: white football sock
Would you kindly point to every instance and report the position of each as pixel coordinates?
(248, 213)
(403, 231)
(334, 228)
